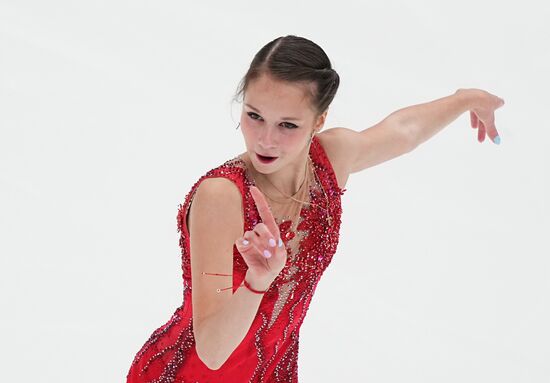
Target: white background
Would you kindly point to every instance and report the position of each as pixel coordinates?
(111, 110)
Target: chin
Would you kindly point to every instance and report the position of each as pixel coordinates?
(266, 167)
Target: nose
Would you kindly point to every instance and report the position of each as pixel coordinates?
(268, 137)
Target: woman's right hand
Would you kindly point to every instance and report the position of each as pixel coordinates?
(262, 247)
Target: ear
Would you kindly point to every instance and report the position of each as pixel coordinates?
(321, 121)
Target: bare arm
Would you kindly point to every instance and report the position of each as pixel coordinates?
(405, 129)
(220, 320)
(423, 121)
(351, 151)
(219, 334)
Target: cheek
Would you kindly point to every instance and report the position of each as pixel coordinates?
(294, 141)
(247, 131)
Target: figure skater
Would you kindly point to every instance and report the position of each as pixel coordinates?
(258, 231)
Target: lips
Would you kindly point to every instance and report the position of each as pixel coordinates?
(265, 159)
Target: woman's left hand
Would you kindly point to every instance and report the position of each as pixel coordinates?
(482, 113)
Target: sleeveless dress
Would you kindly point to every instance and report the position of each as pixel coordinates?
(269, 351)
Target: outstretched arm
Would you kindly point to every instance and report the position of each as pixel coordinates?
(424, 120)
(403, 130)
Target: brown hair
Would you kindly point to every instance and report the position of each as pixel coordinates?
(299, 60)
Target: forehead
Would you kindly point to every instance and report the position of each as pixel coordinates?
(271, 95)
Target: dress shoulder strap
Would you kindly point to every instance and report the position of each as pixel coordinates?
(324, 168)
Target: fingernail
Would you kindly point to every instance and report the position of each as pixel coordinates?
(496, 140)
(267, 254)
(272, 242)
(245, 242)
(280, 242)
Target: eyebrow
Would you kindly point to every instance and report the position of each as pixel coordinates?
(284, 118)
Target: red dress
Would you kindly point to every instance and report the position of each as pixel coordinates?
(269, 351)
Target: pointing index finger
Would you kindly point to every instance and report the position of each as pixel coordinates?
(265, 211)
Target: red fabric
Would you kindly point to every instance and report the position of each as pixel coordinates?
(269, 351)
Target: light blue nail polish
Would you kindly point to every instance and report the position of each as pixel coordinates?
(245, 242)
(272, 242)
(497, 140)
(267, 254)
(280, 242)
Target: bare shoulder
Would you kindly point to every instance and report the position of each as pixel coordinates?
(218, 187)
(217, 200)
(335, 142)
(351, 151)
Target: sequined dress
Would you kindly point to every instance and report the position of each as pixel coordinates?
(269, 351)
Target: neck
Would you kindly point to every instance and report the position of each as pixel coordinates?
(286, 181)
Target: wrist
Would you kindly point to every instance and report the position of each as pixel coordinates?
(468, 97)
(259, 283)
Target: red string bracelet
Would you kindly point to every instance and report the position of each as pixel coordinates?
(251, 289)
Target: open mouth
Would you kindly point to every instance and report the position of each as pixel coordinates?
(265, 159)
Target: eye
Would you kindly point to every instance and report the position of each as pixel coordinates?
(251, 114)
(287, 125)
(290, 125)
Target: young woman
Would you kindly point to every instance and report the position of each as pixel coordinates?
(258, 231)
